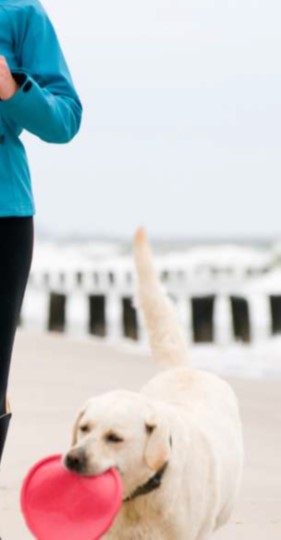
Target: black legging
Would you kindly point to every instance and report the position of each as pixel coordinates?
(16, 248)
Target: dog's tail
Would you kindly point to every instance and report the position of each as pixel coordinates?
(167, 341)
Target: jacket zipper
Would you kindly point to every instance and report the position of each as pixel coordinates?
(2, 135)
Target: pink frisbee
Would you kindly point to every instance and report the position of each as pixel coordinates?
(59, 504)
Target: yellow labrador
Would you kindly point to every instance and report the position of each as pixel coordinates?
(177, 444)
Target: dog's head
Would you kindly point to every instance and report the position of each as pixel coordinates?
(122, 430)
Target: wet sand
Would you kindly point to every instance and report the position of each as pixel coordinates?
(52, 376)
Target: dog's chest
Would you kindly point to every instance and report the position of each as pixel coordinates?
(137, 532)
(131, 526)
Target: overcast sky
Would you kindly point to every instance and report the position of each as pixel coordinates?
(182, 120)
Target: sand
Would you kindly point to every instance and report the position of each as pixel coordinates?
(52, 376)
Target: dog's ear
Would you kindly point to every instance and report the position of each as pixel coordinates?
(158, 448)
(75, 427)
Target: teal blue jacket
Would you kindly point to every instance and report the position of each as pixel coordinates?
(46, 103)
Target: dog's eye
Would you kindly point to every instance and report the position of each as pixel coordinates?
(113, 438)
(85, 429)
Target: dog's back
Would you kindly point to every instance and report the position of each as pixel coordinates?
(199, 397)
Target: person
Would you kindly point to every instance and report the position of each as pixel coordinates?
(37, 94)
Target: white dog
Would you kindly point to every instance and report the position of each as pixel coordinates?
(177, 444)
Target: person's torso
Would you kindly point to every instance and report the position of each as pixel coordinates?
(15, 186)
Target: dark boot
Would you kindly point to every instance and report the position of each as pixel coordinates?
(4, 425)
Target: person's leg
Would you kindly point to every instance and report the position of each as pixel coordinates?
(16, 248)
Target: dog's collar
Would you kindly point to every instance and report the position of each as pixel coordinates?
(152, 484)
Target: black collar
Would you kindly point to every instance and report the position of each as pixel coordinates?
(152, 484)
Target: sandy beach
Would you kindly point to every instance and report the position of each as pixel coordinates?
(51, 377)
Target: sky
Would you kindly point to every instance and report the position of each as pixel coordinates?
(182, 120)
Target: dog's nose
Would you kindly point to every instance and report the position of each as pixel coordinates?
(75, 460)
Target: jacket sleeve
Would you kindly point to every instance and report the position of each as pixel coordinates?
(46, 103)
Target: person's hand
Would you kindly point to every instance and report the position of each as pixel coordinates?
(8, 85)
